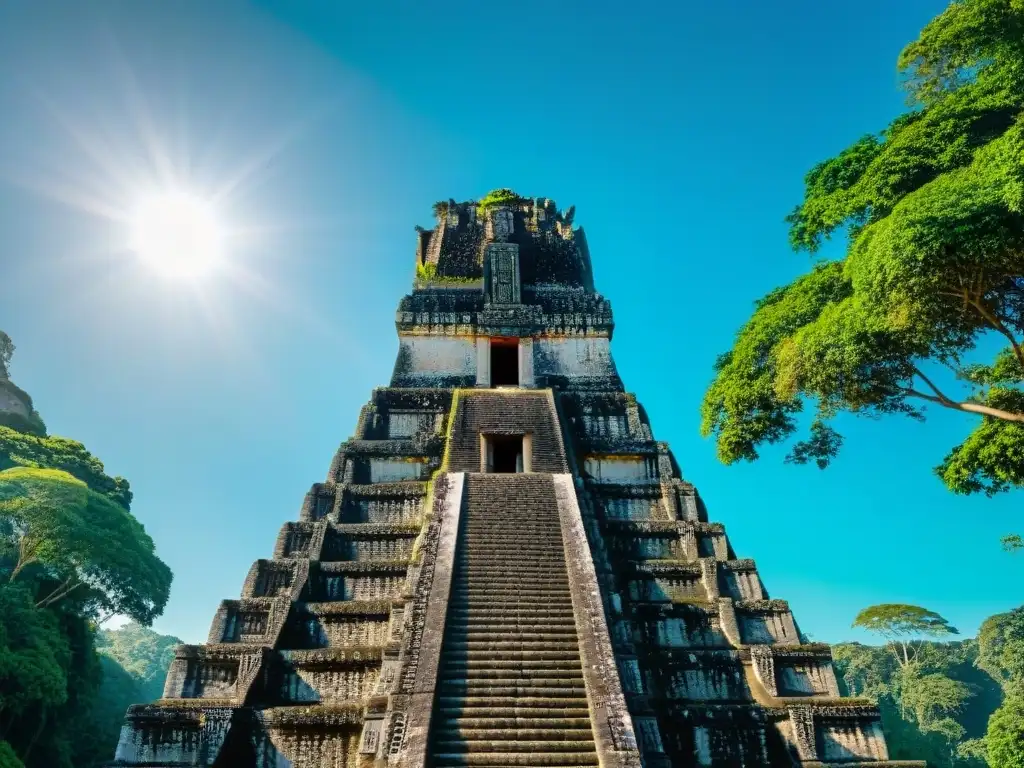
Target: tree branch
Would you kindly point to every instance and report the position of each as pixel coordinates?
(998, 324)
(966, 407)
(931, 385)
(62, 591)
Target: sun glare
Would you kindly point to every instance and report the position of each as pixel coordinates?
(177, 234)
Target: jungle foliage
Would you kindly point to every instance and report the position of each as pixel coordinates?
(71, 555)
(932, 208)
(953, 703)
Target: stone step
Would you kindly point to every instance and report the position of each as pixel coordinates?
(514, 645)
(491, 760)
(491, 632)
(527, 723)
(462, 733)
(457, 636)
(513, 676)
(476, 654)
(485, 565)
(481, 688)
(465, 703)
(499, 619)
(467, 713)
(525, 667)
(538, 591)
(539, 613)
(514, 745)
(489, 540)
(509, 603)
(558, 581)
(478, 606)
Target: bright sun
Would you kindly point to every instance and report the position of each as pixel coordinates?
(177, 234)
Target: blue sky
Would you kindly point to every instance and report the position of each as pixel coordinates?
(681, 131)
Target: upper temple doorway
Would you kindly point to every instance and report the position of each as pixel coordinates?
(504, 362)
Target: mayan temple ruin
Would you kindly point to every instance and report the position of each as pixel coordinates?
(503, 566)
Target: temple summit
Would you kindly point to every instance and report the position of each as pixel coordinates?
(503, 567)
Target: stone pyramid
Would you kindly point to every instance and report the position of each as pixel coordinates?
(503, 566)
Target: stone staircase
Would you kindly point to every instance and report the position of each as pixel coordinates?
(510, 686)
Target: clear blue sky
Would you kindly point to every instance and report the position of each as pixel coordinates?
(681, 131)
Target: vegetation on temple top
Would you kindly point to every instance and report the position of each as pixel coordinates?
(503, 196)
(932, 279)
(426, 274)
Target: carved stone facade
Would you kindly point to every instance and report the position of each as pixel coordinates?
(435, 604)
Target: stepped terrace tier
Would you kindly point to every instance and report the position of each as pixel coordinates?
(503, 567)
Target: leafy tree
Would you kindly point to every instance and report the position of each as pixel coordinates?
(933, 208)
(935, 699)
(903, 627)
(83, 543)
(22, 450)
(7, 757)
(33, 656)
(931, 720)
(135, 660)
(144, 654)
(1001, 644)
(1004, 741)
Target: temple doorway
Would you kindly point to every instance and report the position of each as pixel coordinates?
(504, 362)
(505, 454)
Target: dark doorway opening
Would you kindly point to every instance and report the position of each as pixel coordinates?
(506, 453)
(504, 362)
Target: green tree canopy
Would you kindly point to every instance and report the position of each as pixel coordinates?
(92, 548)
(903, 627)
(143, 654)
(1001, 646)
(933, 209)
(934, 709)
(33, 655)
(8, 759)
(1004, 741)
(22, 450)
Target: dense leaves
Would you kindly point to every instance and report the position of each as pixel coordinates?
(936, 709)
(21, 450)
(134, 660)
(34, 655)
(904, 627)
(1004, 741)
(95, 551)
(503, 196)
(942, 701)
(1001, 646)
(933, 209)
(143, 654)
(71, 554)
